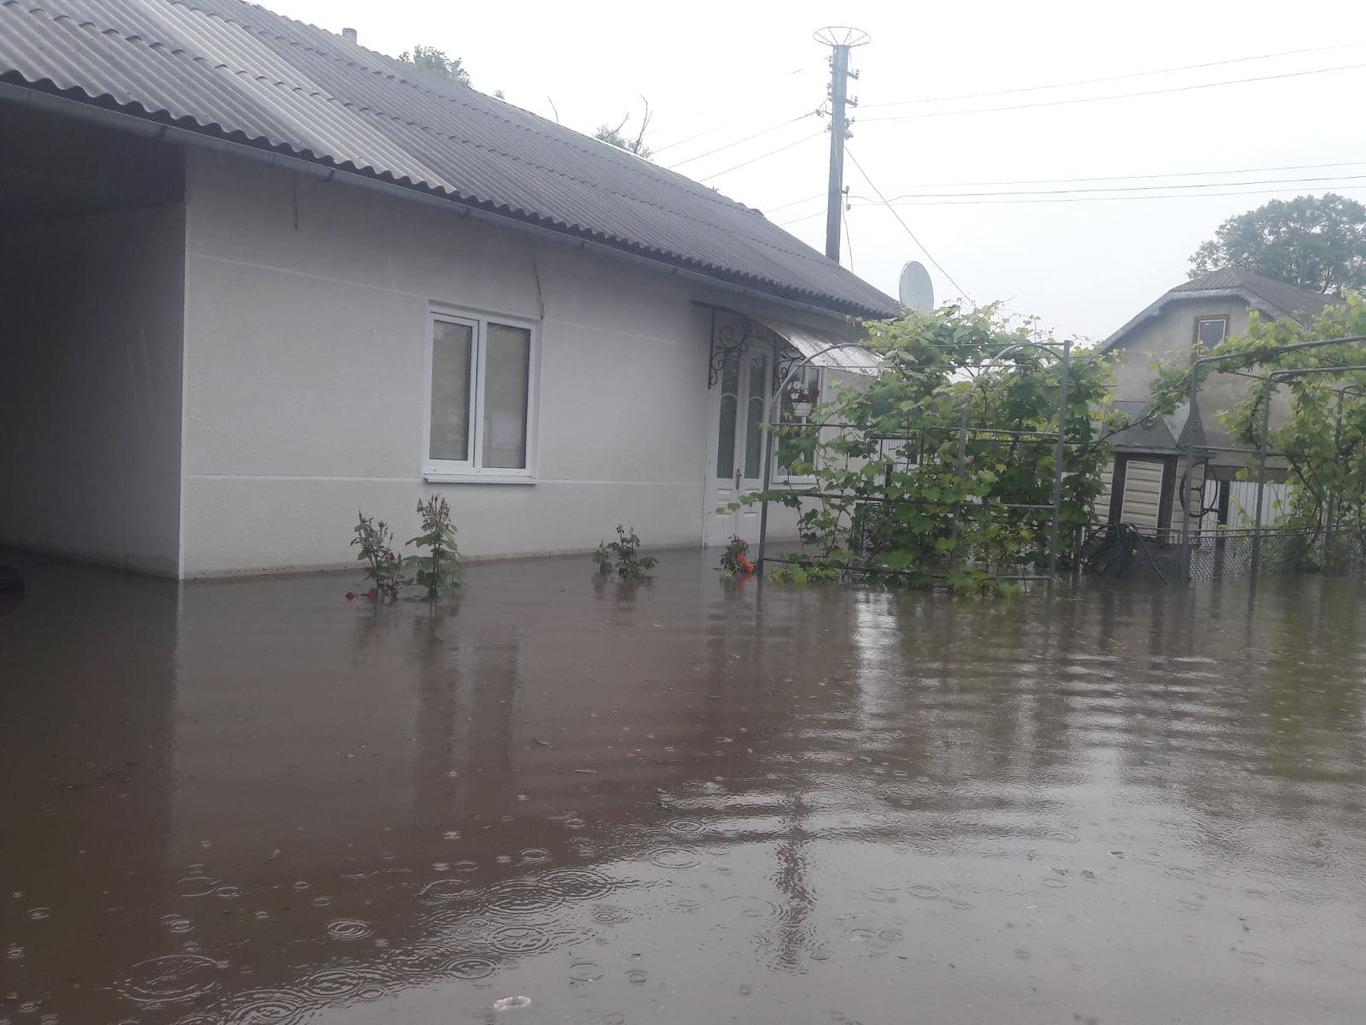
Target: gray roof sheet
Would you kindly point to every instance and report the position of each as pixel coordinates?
(1274, 298)
(1292, 301)
(238, 71)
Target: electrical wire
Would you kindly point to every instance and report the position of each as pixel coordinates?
(795, 202)
(1109, 78)
(747, 138)
(801, 70)
(1128, 177)
(761, 156)
(906, 227)
(1116, 96)
(1129, 188)
(1117, 188)
(863, 201)
(1077, 199)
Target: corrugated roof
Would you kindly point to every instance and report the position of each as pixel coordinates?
(1274, 298)
(1292, 301)
(237, 71)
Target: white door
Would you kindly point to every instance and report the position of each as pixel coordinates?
(739, 410)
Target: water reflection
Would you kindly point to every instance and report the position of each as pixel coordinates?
(250, 801)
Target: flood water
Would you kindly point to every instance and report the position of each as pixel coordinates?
(692, 801)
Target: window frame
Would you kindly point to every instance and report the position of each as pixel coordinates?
(1195, 335)
(780, 474)
(472, 470)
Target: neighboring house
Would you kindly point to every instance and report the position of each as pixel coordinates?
(1141, 485)
(255, 277)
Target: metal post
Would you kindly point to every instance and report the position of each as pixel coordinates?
(1059, 459)
(1328, 530)
(962, 472)
(1261, 479)
(1188, 459)
(763, 499)
(841, 40)
(776, 404)
(839, 80)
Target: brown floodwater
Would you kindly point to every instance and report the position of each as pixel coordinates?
(255, 803)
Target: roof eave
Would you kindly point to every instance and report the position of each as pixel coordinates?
(77, 103)
(1154, 308)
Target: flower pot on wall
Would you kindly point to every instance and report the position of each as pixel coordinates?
(801, 410)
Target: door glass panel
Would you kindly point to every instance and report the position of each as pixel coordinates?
(452, 347)
(725, 441)
(507, 368)
(754, 415)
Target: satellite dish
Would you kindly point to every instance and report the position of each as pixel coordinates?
(916, 290)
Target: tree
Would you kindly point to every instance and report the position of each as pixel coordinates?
(613, 137)
(901, 495)
(430, 58)
(1323, 440)
(1315, 242)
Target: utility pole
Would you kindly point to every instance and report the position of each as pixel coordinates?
(841, 39)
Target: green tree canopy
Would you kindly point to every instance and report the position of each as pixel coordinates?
(1315, 242)
(430, 58)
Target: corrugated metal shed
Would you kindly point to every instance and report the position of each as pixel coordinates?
(236, 71)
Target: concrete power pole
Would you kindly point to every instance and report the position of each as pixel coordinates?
(841, 40)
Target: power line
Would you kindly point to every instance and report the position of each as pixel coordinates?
(1129, 188)
(801, 70)
(747, 138)
(761, 156)
(1116, 96)
(907, 228)
(1110, 78)
(1131, 177)
(795, 202)
(868, 201)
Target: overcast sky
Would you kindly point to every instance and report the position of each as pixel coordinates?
(1083, 261)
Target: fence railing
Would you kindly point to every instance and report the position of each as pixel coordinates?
(1225, 553)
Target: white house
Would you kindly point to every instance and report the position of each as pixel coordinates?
(255, 277)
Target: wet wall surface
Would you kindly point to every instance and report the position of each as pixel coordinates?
(693, 801)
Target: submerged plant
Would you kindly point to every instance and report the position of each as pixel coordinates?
(384, 567)
(623, 557)
(438, 571)
(735, 559)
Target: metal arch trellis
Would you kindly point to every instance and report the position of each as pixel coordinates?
(729, 338)
(1061, 352)
(1262, 452)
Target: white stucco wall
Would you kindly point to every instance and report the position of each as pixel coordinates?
(90, 331)
(306, 347)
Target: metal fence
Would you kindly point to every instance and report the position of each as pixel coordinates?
(1222, 553)
(1217, 555)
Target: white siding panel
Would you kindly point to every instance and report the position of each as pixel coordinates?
(1142, 494)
